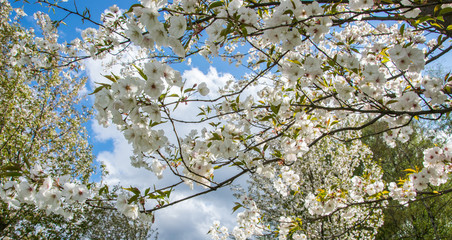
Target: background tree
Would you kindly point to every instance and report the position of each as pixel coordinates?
(42, 121)
(42, 130)
(293, 194)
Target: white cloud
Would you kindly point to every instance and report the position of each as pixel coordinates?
(95, 72)
(117, 161)
(83, 93)
(213, 79)
(190, 219)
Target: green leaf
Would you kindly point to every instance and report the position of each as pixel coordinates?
(140, 71)
(97, 90)
(214, 124)
(189, 90)
(437, 9)
(152, 196)
(224, 32)
(110, 77)
(104, 189)
(423, 19)
(133, 6)
(445, 11)
(12, 167)
(402, 29)
(244, 31)
(275, 109)
(86, 13)
(216, 136)
(168, 193)
(439, 39)
(448, 77)
(11, 174)
(237, 206)
(334, 122)
(266, 118)
(133, 189)
(385, 60)
(294, 61)
(133, 199)
(288, 11)
(153, 124)
(436, 25)
(215, 5)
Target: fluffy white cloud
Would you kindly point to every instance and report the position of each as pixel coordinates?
(190, 219)
(213, 79)
(117, 161)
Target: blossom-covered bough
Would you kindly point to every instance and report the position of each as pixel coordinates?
(317, 74)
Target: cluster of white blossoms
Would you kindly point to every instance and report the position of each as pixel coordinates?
(437, 168)
(285, 224)
(218, 232)
(248, 223)
(289, 180)
(123, 206)
(407, 58)
(58, 196)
